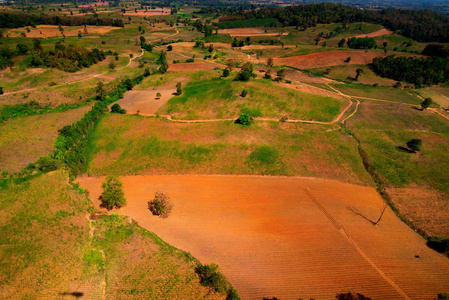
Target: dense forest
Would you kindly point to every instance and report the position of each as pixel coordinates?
(16, 20)
(419, 71)
(423, 26)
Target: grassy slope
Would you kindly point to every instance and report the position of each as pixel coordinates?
(25, 139)
(126, 144)
(220, 99)
(47, 250)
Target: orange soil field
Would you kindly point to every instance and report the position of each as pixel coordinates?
(289, 237)
(145, 101)
(46, 31)
(376, 33)
(195, 66)
(328, 58)
(150, 12)
(249, 32)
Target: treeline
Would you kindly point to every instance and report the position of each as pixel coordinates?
(71, 143)
(361, 43)
(31, 108)
(419, 71)
(16, 20)
(269, 22)
(69, 59)
(423, 26)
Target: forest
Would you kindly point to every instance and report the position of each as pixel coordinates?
(422, 26)
(419, 71)
(16, 20)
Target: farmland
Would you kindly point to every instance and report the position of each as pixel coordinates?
(289, 160)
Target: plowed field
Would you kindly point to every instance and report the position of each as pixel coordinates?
(376, 33)
(289, 237)
(328, 58)
(145, 101)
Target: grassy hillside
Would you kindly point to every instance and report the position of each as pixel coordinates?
(51, 249)
(125, 144)
(221, 99)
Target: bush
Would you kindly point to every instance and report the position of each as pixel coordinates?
(244, 93)
(117, 109)
(226, 72)
(351, 296)
(414, 145)
(426, 103)
(47, 164)
(209, 276)
(438, 244)
(244, 119)
(161, 205)
(113, 195)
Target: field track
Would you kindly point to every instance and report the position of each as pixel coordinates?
(289, 237)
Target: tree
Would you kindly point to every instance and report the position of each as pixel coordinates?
(111, 65)
(169, 48)
(146, 72)
(230, 63)
(414, 145)
(100, 89)
(351, 296)
(426, 103)
(161, 205)
(179, 88)
(47, 163)
(246, 72)
(226, 72)
(348, 59)
(244, 120)
(113, 195)
(142, 40)
(162, 61)
(116, 109)
(1, 90)
(280, 75)
(244, 93)
(269, 62)
(128, 83)
(158, 95)
(341, 43)
(358, 71)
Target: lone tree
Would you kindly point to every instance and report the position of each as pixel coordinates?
(269, 62)
(158, 95)
(161, 205)
(226, 72)
(426, 103)
(1, 90)
(113, 195)
(358, 72)
(244, 120)
(116, 109)
(179, 88)
(246, 73)
(414, 145)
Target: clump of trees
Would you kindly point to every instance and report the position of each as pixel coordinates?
(161, 205)
(113, 195)
(439, 244)
(69, 59)
(116, 109)
(210, 276)
(351, 296)
(419, 71)
(426, 103)
(244, 120)
(361, 43)
(245, 73)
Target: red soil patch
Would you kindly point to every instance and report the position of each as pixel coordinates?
(289, 237)
(328, 58)
(196, 66)
(46, 31)
(145, 101)
(376, 33)
(249, 32)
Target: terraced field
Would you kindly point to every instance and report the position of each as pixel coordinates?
(289, 237)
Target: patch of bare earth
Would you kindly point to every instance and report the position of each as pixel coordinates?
(145, 101)
(195, 66)
(289, 237)
(46, 31)
(426, 208)
(328, 58)
(376, 33)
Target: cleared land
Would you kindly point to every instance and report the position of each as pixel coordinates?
(144, 102)
(376, 33)
(238, 32)
(328, 58)
(47, 31)
(23, 140)
(195, 66)
(289, 237)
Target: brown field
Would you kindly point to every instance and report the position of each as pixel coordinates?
(289, 237)
(328, 58)
(24, 140)
(46, 31)
(376, 33)
(150, 12)
(195, 66)
(145, 101)
(250, 32)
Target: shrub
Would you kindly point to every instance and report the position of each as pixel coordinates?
(47, 163)
(439, 244)
(179, 88)
(210, 276)
(113, 195)
(226, 72)
(117, 109)
(244, 93)
(348, 59)
(244, 119)
(414, 145)
(158, 95)
(426, 103)
(161, 205)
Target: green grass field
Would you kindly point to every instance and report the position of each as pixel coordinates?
(209, 99)
(129, 144)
